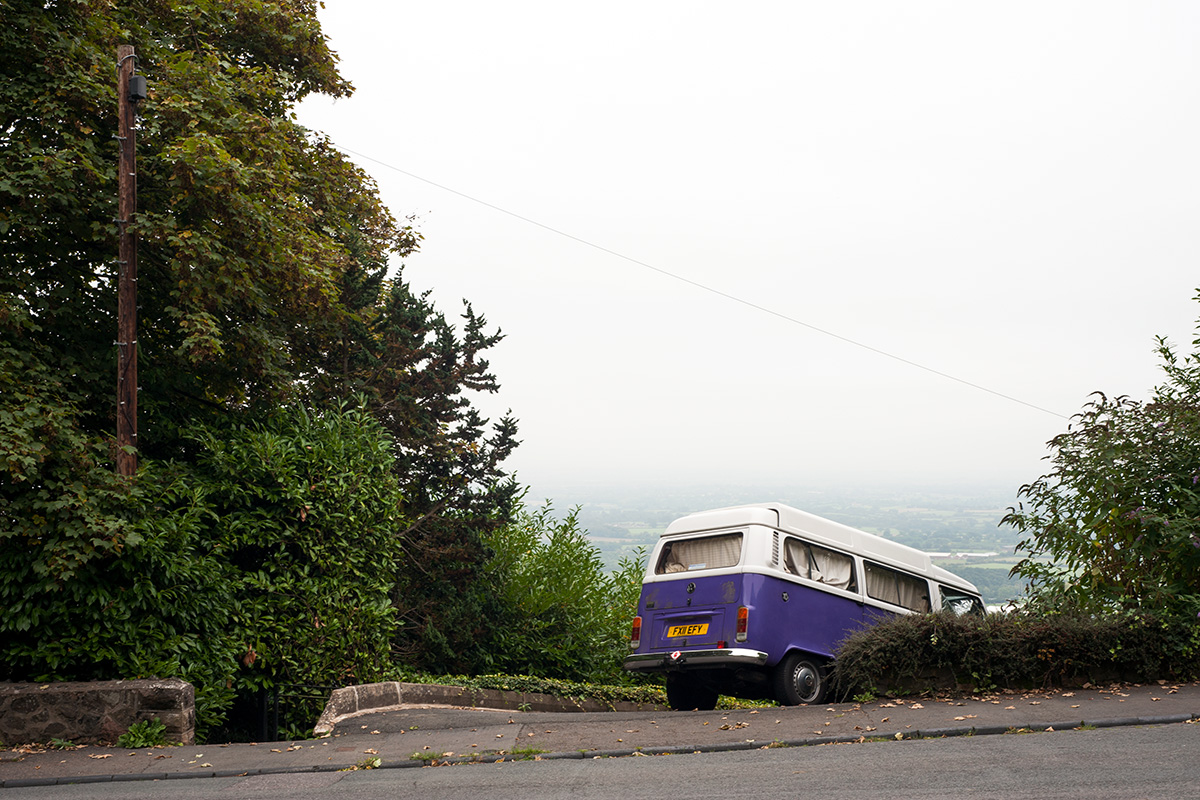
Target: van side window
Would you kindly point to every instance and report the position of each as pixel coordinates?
(819, 564)
(705, 552)
(959, 602)
(897, 588)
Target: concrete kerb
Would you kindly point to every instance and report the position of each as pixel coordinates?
(353, 701)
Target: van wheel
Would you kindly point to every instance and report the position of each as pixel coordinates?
(686, 692)
(800, 679)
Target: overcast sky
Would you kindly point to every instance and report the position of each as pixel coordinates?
(1000, 192)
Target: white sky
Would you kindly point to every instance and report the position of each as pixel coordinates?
(1005, 192)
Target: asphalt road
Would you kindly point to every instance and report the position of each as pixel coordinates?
(1129, 763)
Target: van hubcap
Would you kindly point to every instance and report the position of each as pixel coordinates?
(805, 679)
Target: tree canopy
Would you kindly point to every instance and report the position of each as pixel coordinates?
(1115, 524)
(272, 308)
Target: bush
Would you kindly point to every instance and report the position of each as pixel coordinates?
(1016, 650)
(1115, 524)
(140, 594)
(563, 615)
(304, 512)
(269, 562)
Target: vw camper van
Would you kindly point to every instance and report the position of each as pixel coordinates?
(752, 601)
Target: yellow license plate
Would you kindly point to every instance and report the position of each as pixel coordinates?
(676, 631)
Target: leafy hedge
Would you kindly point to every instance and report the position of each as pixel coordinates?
(268, 561)
(1016, 650)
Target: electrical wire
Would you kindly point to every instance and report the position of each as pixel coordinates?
(702, 286)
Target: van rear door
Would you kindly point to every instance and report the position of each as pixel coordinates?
(691, 613)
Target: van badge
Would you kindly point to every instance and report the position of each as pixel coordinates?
(691, 588)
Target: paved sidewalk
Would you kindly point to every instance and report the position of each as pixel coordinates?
(426, 735)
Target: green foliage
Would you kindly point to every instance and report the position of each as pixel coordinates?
(556, 687)
(147, 733)
(416, 369)
(102, 578)
(1116, 523)
(60, 505)
(867, 695)
(239, 558)
(244, 217)
(1017, 650)
(157, 606)
(565, 617)
(304, 512)
(257, 547)
(268, 562)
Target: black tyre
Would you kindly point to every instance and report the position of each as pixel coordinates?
(685, 692)
(800, 678)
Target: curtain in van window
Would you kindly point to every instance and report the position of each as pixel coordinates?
(709, 552)
(818, 564)
(897, 588)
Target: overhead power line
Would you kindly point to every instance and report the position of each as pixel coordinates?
(704, 287)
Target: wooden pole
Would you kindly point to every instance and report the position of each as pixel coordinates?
(127, 271)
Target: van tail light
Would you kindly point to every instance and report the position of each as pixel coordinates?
(743, 623)
(635, 636)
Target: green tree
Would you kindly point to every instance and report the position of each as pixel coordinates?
(563, 616)
(1116, 523)
(416, 370)
(263, 282)
(245, 218)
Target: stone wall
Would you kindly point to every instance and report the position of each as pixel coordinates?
(95, 712)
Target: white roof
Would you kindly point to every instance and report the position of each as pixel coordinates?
(819, 531)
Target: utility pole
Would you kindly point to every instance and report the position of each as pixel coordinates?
(129, 89)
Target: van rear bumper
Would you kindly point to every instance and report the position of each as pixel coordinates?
(683, 659)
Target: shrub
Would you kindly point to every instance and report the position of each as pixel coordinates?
(304, 516)
(150, 600)
(564, 616)
(1016, 650)
(1116, 522)
(268, 562)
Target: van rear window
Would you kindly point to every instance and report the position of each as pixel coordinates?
(704, 552)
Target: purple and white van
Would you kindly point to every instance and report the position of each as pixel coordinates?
(751, 601)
